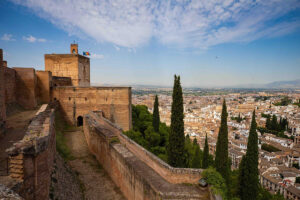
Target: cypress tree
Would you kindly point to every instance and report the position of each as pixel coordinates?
(156, 118)
(205, 161)
(176, 137)
(249, 169)
(196, 161)
(268, 123)
(221, 161)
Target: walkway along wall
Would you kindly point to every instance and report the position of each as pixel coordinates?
(137, 178)
(31, 159)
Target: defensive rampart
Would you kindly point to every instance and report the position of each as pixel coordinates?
(115, 102)
(31, 159)
(138, 173)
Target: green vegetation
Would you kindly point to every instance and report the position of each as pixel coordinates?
(216, 181)
(269, 148)
(205, 161)
(143, 132)
(156, 118)
(176, 149)
(274, 127)
(61, 146)
(239, 119)
(248, 172)
(266, 195)
(283, 102)
(221, 160)
(297, 103)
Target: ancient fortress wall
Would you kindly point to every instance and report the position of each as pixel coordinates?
(75, 66)
(43, 86)
(122, 159)
(2, 97)
(31, 159)
(10, 85)
(115, 102)
(61, 81)
(26, 89)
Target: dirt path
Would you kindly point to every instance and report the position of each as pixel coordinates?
(97, 184)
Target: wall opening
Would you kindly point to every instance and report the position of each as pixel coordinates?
(79, 121)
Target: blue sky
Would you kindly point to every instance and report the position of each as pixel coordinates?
(208, 43)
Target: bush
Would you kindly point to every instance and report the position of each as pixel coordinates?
(216, 181)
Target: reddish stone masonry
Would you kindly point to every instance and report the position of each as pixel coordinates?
(31, 159)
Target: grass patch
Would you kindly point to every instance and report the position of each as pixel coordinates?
(61, 143)
(114, 140)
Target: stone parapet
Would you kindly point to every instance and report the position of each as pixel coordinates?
(31, 159)
(135, 176)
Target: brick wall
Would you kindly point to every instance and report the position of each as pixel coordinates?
(10, 85)
(61, 81)
(44, 79)
(26, 87)
(31, 159)
(115, 102)
(2, 98)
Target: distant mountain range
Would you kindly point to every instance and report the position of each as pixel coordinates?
(295, 84)
(274, 85)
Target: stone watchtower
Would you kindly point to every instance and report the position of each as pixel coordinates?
(74, 49)
(72, 65)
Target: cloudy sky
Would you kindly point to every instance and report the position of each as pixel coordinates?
(207, 42)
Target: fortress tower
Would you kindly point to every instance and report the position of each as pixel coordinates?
(72, 65)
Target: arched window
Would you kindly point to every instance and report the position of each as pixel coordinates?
(79, 121)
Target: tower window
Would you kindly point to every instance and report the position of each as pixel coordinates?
(69, 98)
(85, 99)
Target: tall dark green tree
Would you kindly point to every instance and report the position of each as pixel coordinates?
(249, 168)
(221, 161)
(176, 148)
(205, 161)
(196, 161)
(156, 118)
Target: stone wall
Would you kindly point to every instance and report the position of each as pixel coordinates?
(2, 97)
(135, 178)
(61, 81)
(26, 90)
(83, 71)
(115, 102)
(75, 66)
(10, 85)
(31, 159)
(171, 174)
(44, 79)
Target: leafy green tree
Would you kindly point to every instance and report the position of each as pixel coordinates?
(205, 161)
(221, 160)
(176, 148)
(156, 118)
(216, 180)
(249, 166)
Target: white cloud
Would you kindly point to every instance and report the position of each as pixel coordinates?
(7, 37)
(97, 56)
(32, 39)
(117, 48)
(194, 23)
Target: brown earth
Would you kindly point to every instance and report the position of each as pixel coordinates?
(95, 181)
